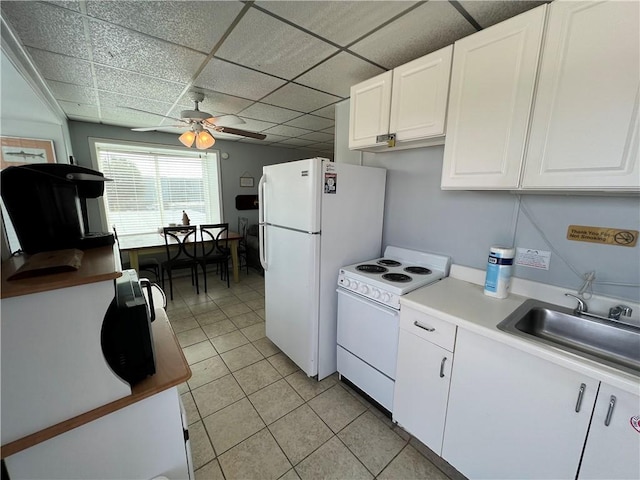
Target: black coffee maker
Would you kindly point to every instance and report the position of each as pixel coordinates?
(46, 203)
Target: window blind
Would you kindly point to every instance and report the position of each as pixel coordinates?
(151, 188)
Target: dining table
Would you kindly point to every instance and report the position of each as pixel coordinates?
(150, 243)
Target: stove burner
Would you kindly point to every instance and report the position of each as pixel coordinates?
(368, 268)
(397, 277)
(418, 270)
(389, 263)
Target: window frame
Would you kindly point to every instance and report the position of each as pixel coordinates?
(95, 142)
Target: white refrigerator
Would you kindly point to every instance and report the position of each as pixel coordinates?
(315, 217)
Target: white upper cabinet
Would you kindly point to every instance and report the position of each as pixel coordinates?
(369, 111)
(584, 130)
(410, 102)
(492, 85)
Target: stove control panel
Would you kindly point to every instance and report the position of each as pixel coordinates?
(374, 293)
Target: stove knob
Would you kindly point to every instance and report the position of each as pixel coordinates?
(353, 285)
(386, 297)
(364, 289)
(376, 293)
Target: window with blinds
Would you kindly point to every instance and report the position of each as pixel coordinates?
(152, 187)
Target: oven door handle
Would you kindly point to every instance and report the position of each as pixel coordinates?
(371, 303)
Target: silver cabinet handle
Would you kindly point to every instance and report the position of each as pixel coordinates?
(580, 395)
(442, 367)
(419, 325)
(612, 404)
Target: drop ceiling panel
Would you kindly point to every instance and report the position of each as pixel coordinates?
(490, 12)
(228, 78)
(215, 101)
(135, 84)
(317, 137)
(352, 70)
(116, 100)
(328, 112)
(79, 110)
(73, 93)
(287, 131)
(121, 48)
(53, 66)
(311, 122)
(262, 111)
(298, 97)
(47, 27)
(254, 125)
(198, 25)
(299, 142)
(341, 22)
(429, 27)
(287, 53)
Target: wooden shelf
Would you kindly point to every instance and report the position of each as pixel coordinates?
(98, 264)
(171, 369)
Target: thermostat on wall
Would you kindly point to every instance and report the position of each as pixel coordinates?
(224, 155)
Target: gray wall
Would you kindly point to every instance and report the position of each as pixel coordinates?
(464, 224)
(245, 159)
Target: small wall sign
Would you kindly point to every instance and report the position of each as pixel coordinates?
(603, 235)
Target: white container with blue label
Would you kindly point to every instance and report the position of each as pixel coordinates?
(499, 268)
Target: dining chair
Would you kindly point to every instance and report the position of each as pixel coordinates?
(181, 246)
(146, 264)
(243, 225)
(215, 249)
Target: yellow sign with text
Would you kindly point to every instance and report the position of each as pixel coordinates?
(606, 236)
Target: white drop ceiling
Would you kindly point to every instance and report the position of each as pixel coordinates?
(279, 65)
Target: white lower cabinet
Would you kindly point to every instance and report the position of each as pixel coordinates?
(613, 445)
(514, 415)
(422, 389)
(423, 373)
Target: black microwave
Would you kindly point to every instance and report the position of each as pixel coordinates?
(127, 335)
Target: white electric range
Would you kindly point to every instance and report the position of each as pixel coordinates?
(368, 315)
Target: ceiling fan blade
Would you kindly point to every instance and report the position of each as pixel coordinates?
(152, 113)
(224, 120)
(150, 129)
(244, 133)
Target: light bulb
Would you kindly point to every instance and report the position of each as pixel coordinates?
(187, 138)
(204, 140)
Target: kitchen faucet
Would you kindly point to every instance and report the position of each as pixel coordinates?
(614, 313)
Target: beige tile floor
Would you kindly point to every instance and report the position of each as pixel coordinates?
(253, 414)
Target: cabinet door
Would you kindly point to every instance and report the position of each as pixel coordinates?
(492, 84)
(584, 131)
(513, 415)
(419, 96)
(422, 388)
(369, 107)
(613, 450)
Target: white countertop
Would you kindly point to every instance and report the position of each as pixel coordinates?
(465, 305)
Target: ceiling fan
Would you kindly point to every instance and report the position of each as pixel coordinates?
(199, 125)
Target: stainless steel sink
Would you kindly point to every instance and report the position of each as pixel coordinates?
(614, 344)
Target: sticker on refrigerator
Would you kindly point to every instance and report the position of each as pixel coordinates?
(635, 423)
(330, 182)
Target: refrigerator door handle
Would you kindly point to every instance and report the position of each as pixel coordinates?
(262, 229)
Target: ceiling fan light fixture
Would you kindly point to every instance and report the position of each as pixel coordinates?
(187, 138)
(204, 140)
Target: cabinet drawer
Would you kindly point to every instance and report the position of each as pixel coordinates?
(428, 327)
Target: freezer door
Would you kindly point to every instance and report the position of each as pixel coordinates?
(291, 294)
(291, 195)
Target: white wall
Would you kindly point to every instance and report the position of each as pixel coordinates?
(464, 224)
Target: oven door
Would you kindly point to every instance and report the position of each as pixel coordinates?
(369, 331)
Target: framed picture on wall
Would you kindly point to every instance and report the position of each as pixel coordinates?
(24, 151)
